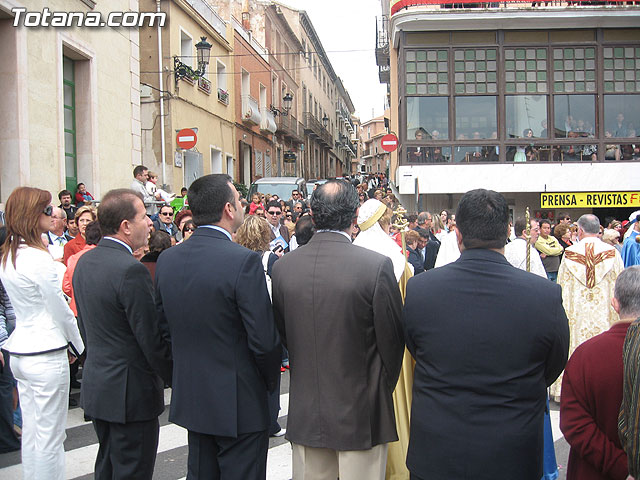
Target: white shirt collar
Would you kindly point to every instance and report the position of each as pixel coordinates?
(121, 243)
(220, 229)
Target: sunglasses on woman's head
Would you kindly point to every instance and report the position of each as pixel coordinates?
(48, 210)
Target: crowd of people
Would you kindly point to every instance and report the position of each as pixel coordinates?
(415, 348)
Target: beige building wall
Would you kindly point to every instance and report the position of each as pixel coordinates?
(188, 104)
(107, 113)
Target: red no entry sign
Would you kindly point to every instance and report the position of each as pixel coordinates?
(389, 142)
(186, 138)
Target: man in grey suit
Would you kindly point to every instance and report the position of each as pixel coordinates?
(343, 331)
(128, 350)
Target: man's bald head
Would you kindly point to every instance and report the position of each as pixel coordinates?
(334, 205)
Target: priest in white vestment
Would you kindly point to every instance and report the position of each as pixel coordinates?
(587, 275)
(374, 218)
(449, 251)
(516, 251)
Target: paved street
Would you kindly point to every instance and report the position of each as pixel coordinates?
(171, 464)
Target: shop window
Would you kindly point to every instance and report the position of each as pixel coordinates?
(526, 116)
(622, 115)
(476, 118)
(427, 117)
(574, 116)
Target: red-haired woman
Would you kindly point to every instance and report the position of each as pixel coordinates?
(45, 330)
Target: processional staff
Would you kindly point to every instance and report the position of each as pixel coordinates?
(528, 236)
(401, 224)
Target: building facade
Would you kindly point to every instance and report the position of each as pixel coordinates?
(70, 100)
(173, 100)
(521, 99)
(374, 158)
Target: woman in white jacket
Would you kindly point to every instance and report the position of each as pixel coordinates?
(45, 330)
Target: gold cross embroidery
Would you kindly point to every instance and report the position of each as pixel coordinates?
(589, 260)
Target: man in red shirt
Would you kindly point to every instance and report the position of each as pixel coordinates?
(592, 393)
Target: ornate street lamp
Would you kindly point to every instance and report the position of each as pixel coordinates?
(286, 106)
(325, 121)
(181, 70)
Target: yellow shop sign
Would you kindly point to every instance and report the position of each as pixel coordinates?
(590, 199)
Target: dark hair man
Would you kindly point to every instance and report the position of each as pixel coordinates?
(225, 345)
(516, 252)
(344, 340)
(140, 179)
(128, 354)
(304, 230)
(550, 250)
(69, 208)
(278, 230)
(493, 343)
(164, 222)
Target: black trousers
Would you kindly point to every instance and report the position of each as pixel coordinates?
(9, 441)
(225, 458)
(127, 450)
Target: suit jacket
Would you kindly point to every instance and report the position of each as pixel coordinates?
(284, 231)
(342, 328)
(226, 349)
(161, 226)
(415, 259)
(484, 358)
(433, 247)
(128, 349)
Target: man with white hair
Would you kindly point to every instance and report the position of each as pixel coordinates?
(587, 276)
(592, 391)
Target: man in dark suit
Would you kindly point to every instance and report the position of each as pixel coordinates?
(484, 357)
(226, 348)
(342, 328)
(128, 350)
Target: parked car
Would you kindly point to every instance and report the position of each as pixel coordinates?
(311, 184)
(281, 186)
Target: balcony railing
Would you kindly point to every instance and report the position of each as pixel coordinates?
(223, 96)
(315, 128)
(508, 4)
(382, 40)
(250, 110)
(210, 15)
(290, 127)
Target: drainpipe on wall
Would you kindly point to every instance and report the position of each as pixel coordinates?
(161, 93)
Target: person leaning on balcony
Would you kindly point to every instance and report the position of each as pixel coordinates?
(140, 179)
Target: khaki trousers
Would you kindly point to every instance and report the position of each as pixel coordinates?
(325, 464)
